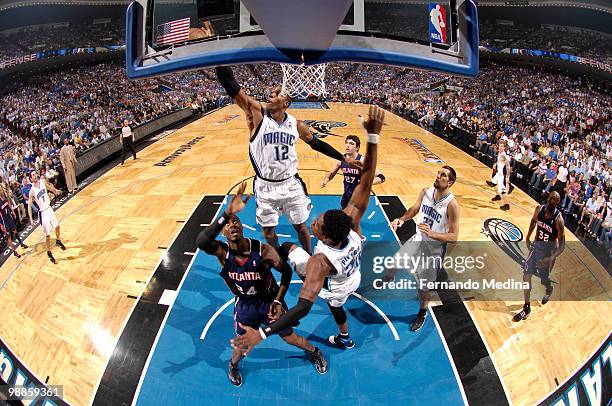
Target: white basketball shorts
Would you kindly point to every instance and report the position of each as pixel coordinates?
(500, 182)
(288, 197)
(48, 221)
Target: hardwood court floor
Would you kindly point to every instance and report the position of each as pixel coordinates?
(63, 320)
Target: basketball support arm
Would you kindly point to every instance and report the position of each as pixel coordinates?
(288, 319)
(325, 148)
(227, 80)
(206, 240)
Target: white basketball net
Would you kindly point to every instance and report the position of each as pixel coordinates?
(303, 81)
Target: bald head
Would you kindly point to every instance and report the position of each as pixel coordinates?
(553, 200)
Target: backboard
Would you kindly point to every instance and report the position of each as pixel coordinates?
(166, 36)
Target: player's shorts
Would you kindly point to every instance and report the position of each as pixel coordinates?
(254, 313)
(424, 276)
(9, 224)
(531, 267)
(288, 197)
(48, 221)
(334, 292)
(431, 255)
(346, 198)
(500, 181)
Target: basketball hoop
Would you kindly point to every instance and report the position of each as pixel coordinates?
(304, 81)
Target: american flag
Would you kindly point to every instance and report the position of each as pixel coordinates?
(173, 32)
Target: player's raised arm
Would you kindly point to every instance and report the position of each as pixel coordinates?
(206, 240)
(359, 201)
(316, 144)
(249, 105)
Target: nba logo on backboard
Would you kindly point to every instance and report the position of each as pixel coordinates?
(437, 23)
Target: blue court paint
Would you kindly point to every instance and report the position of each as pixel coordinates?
(306, 105)
(187, 370)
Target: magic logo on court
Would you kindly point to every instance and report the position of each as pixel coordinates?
(324, 128)
(506, 236)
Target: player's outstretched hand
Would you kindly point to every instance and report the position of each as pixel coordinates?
(397, 223)
(375, 120)
(238, 203)
(247, 341)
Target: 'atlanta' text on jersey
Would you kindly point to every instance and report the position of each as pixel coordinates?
(245, 276)
(352, 176)
(249, 277)
(547, 227)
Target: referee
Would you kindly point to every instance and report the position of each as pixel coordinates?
(127, 140)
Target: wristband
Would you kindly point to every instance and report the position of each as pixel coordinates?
(224, 219)
(262, 333)
(372, 138)
(278, 302)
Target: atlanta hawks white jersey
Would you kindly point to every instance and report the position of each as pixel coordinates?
(272, 151)
(347, 260)
(433, 213)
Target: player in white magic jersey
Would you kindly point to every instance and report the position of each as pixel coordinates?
(48, 221)
(273, 135)
(501, 177)
(333, 272)
(437, 219)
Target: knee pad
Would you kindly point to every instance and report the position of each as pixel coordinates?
(338, 313)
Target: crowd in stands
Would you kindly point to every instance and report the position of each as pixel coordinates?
(87, 105)
(557, 131)
(387, 21)
(570, 40)
(49, 37)
(545, 121)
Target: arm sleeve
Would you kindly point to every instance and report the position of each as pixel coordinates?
(206, 239)
(325, 149)
(286, 273)
(288, 319)
(226, 79)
